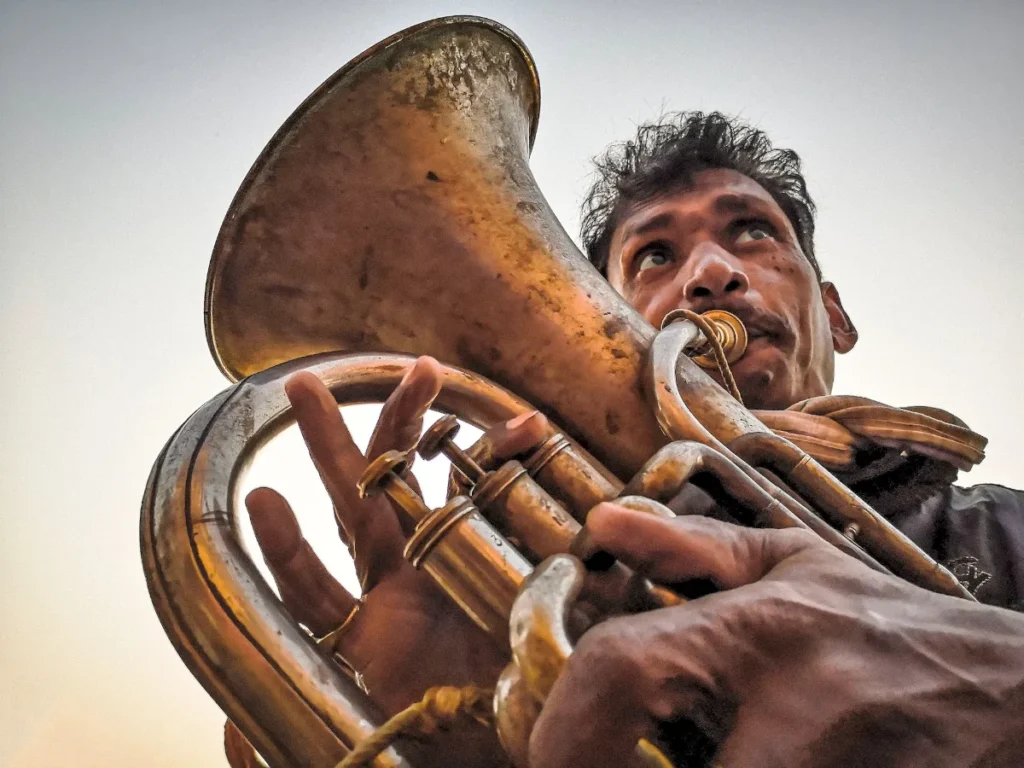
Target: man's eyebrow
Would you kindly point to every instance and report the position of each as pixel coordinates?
(735, 204)
(649, 225)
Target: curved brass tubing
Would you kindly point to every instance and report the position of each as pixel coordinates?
(293, 703)
(689, 405)
(844, 509)
(686, 461)
(674, 384)
(679, 391)
(541, 646)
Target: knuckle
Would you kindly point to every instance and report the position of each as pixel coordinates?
(772, 598)
(797, 539)
(812, 551)
(743, 619)
(772, 545)
(607, 655)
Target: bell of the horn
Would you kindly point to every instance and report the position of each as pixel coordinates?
(396, 210)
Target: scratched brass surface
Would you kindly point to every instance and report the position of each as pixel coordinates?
(291, 701)
(395, 211)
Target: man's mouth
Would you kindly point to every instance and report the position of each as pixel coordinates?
(754, 334)
(760, 325)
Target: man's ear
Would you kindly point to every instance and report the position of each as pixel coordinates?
(844, 334)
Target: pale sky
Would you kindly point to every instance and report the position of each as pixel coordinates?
(125, 128)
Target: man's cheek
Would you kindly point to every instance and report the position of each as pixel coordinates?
(646, 306)
(654, 302)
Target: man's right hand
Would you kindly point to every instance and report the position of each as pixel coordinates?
(407, 636)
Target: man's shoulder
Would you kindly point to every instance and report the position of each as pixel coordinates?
(991, 498)
(976, 531)
(980, 538)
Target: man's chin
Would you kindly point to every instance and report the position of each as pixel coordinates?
(757, 375)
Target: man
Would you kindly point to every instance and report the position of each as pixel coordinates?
(804, 657)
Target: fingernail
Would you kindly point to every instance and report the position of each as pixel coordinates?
(517, 421)
(416, 369)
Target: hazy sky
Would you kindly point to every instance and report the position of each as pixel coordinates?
(125, 128)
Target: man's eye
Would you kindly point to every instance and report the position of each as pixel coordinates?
(653, 257)
(753, 232)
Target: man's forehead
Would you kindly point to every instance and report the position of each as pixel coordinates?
(716, 188)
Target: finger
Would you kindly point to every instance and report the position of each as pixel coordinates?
(335, 453)
(580, 725)
(400, 422)
(310, 594)
(510, 439)
(625, 677)
(597, 714)
(680, 549)
(401, 419)
(502, 442)
(370, 526)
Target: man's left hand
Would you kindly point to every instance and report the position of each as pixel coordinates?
(804, 658)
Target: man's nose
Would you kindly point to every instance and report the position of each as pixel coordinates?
(714, 273)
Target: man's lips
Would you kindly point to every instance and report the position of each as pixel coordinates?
(757, 334)
(762, 326)
(757, 342)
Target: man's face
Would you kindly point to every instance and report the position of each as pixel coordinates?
(726, 244)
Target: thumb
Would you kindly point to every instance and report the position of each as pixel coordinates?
(671, 550)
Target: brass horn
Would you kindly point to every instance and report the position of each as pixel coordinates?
(394, 214)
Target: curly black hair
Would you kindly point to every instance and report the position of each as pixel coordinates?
(664, 157)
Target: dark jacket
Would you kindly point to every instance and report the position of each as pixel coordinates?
(977, 532)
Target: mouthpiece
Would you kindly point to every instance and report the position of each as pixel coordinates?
(728, 329)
